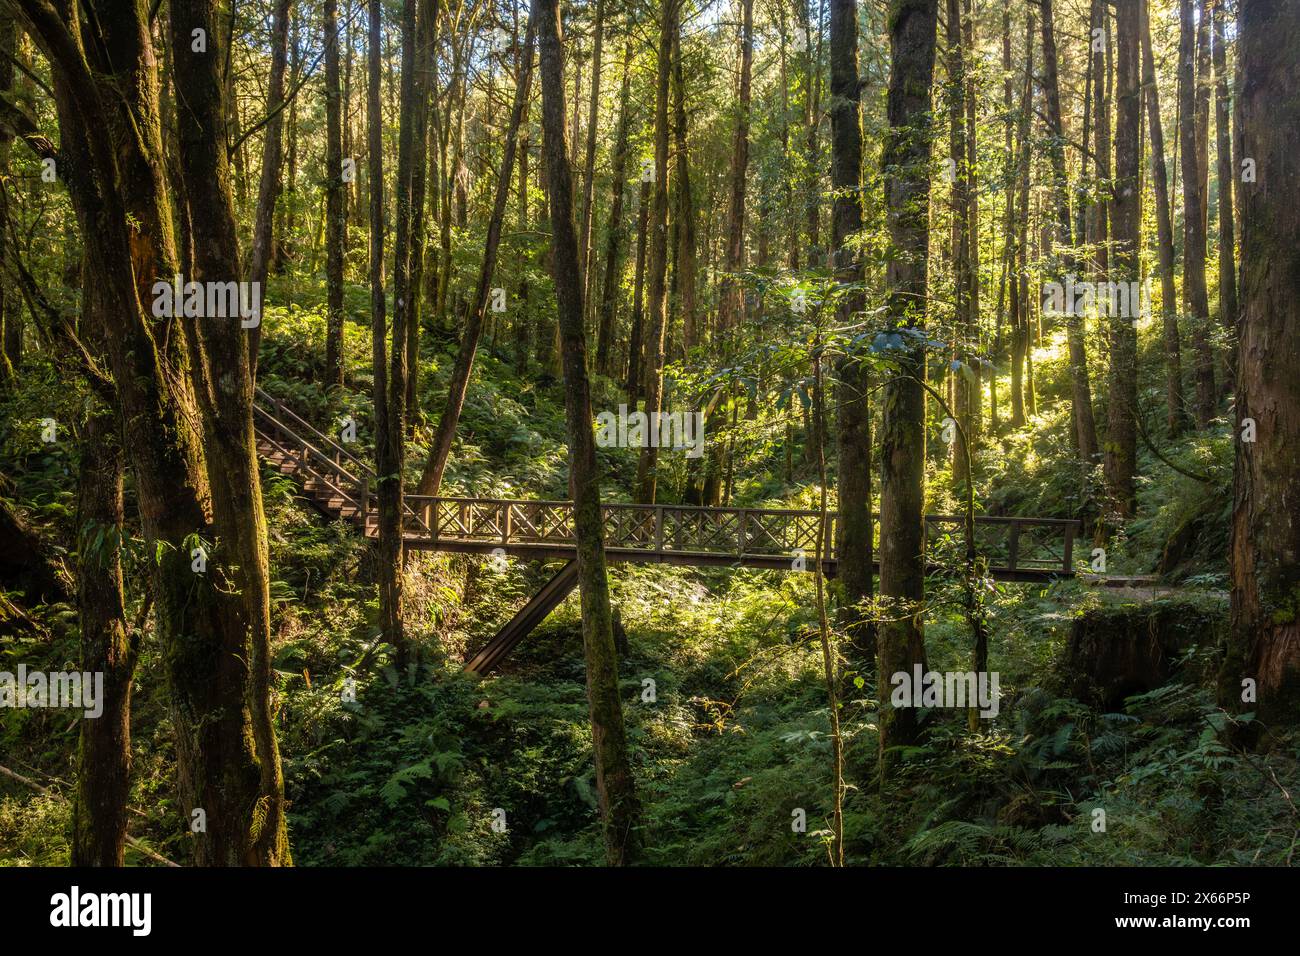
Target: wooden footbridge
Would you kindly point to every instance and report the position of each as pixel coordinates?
(341, 485)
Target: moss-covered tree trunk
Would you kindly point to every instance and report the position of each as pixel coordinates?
(614, 233)
(1223, 149)
(905, 160)
(1080, 387)
(1264, 645)
(335, 224)
(655, 322)
(854, 548)
(104, 761)
(614, 784)
(224, 385)
(1120, 464)
(1196, 302)
(1175, 404)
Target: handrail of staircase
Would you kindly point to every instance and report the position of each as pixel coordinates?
(288, 412)
(365, 483)
(300, 442)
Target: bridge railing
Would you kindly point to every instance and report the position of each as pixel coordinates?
(1009, 544)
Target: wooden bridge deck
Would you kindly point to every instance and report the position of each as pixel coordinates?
(342, 485)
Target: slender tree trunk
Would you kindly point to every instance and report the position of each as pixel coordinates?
(440, 447)
(635, 346)
(731, 296)
(1125, 214)
(1175, 403)
(268, 189)
(104, 763)
(614, 234)
(905, 160)
(585, 236)
(335, 225)
(10, 317)
(686, 266)
(1223, 147)
(1017, 217)
(614, 783)
(1196, 303)
(963, 247)
(388, 437)
(854, 548)
(1081, 390)
(657, 320)
(1264, 642)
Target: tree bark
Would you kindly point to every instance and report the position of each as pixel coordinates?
(1264, 642)
(268, 189)
(635, 345)
(1125, 213)
(440, 447)
(104, 761)
(1081, 389)
(335, 224)
(1223, 148)
(905, 160)
(1175, 403)
(585, 237)
(854, 548)
(731, 294)
(685, 271)
(614, 234)
(388, 461)
(614, 783)
(1196, 303)
(657, 320)
(225, 390)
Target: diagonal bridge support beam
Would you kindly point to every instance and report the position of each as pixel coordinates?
(530, 615)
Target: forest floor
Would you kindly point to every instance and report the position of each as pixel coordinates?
(724, 699)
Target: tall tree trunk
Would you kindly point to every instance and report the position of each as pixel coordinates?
(440, 447)
(388, 463)
(812, 120)
(854, 548)
(657, 319)
(1264, 642)
(614, 234)
(905, 161)
(686, 267)
(964, 275)
(585, 236)
(1196, 303)
(104, 763)
(424, 65)
(10, 317)
(731, 296)
(1125, 214)
(1175, 404)
(974, 388)
(1017, 218)
(268, 188)
(635, 345)
(335, 225)
(1223, 147)
(224, 385)
(1081, 390)
(614, 783)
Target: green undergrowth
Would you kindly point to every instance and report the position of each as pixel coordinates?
(722, 688)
